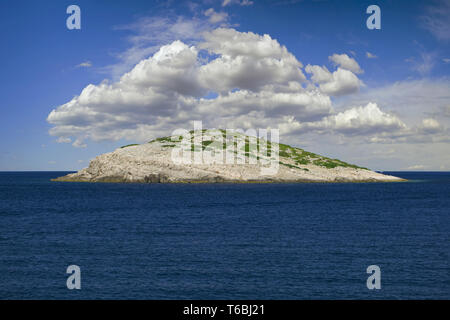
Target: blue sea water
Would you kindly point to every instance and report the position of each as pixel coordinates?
(224, 241)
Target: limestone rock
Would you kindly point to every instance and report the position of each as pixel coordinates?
(154, 162)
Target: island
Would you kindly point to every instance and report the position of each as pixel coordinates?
(219, 156)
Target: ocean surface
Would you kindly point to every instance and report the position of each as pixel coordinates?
(224, 241)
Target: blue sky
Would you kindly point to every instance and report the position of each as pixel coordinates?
(44, 66)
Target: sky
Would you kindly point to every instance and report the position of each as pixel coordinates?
(137, 70)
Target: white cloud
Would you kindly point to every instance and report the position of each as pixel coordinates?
(411, 98)
(239, 2)
(367, 124)
(251, 73)
(227, 73)
(248, 61)
(63, 140)
(173, 68)
(446, 60)
(216, 17)
(430, 125)
(343, 82)
(319, 74)
(254, 82)
(304, 105)
(419, 102)
(79, 144)
(85, 64)
(370, 55)
(366, 119)
(416, 167)
(148, 34)
(435, 19)
(233, 43)
(338, 83)
(424, 63)
(357, 121)
(345, 62)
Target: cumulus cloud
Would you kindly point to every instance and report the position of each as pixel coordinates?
(342, 82)
(345, 62)
(148, 34)
(338, 83)
(230, 42)
(304, 105)
(431, 125)
(362, 120)
(411, 98)
(229, 79)
(319, 74)
(247, 61)
(423, 105)
(365, 119)
(173, 68)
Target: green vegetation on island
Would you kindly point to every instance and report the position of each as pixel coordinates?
(291, 157)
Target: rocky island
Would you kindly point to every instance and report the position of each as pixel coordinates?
(212, 156)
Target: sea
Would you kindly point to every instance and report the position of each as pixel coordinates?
(224, 241)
